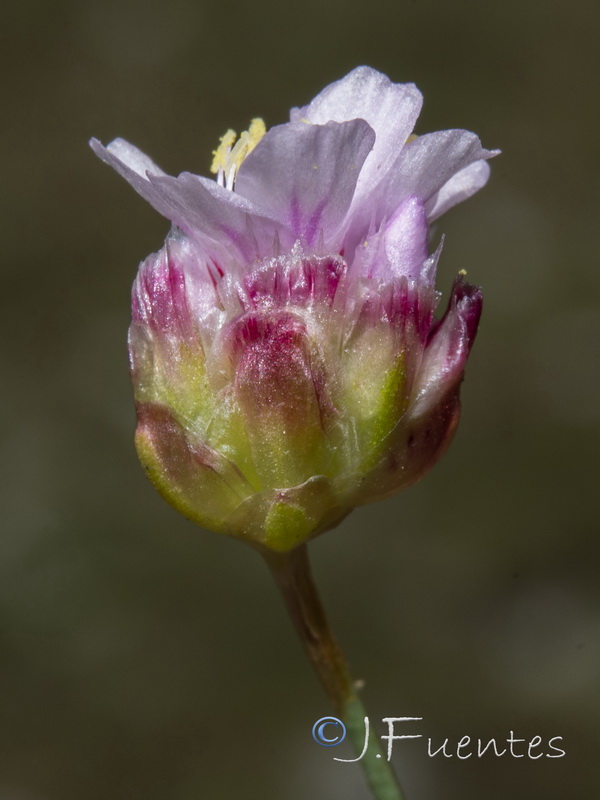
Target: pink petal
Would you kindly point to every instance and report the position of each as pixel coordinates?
(198, 206)
(203, 209)
(391, 109)
(129, 155)
(305, 175)
(428, 163)
(460, 187)
(406, 239)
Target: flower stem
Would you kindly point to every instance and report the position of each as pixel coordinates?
(293, 576)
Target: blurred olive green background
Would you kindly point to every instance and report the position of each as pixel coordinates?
(144, 659)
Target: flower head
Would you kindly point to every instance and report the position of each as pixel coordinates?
(286, 361)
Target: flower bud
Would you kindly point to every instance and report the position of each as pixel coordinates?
(286, 361)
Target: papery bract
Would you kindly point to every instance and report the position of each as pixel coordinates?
(286, 361)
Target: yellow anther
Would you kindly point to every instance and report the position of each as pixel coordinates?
(256, 131)
(247, 142)
(462, 273)
(229, 155)
(221, 154)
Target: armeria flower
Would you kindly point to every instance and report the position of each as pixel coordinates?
(286, 361)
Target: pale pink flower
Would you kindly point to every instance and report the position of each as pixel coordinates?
(286, 361)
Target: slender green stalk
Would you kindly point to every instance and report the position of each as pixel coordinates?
(294, 578)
